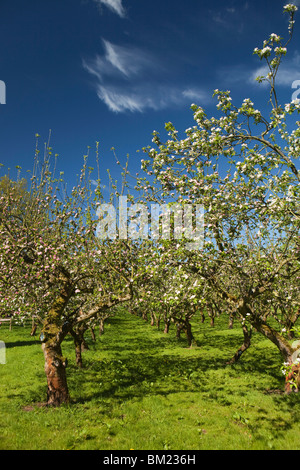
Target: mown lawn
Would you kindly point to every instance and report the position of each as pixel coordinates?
(144, 390)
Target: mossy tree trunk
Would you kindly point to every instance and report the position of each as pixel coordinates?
(55, 368)
(52, 336)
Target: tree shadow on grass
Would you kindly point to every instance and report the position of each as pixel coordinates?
(135, 378)
(143, 367)
(147, 356)
(16, 344)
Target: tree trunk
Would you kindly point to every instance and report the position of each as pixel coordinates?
(187, 328)
(167, 326)
(145, 316)
(78, 355)
(93, 334)
(52, 335)
(101, 326)
(282, 344)
(33, 329)
(80, 344)
(55, 368)
(289, 353)
(246, 344)
(179, 327)
(189, 334)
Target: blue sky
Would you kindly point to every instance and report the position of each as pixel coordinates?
(115, 70)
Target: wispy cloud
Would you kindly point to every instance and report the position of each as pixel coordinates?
(195, 94)
(143, 97)
(114, 5)
(118, 100)
(132, 79)
(118, 60)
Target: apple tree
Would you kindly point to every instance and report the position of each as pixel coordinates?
(241, 166)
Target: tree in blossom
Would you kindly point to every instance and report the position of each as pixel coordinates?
(53, 264)
(241, 166)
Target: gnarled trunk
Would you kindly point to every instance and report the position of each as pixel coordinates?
(292, 382)
(246, 344)
(55, 368)
(52, 335)
(189, 334)
(282, 344)
(185, 326)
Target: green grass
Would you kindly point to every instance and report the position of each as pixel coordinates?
(144, 390)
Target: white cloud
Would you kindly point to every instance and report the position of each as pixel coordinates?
(132, 79)
(120, 101)
(115, 57)
(141, 98)
(194, 94)
(114, 5)
(129, 61)
(119, 60)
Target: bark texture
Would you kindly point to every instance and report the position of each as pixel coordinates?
(55, 368)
